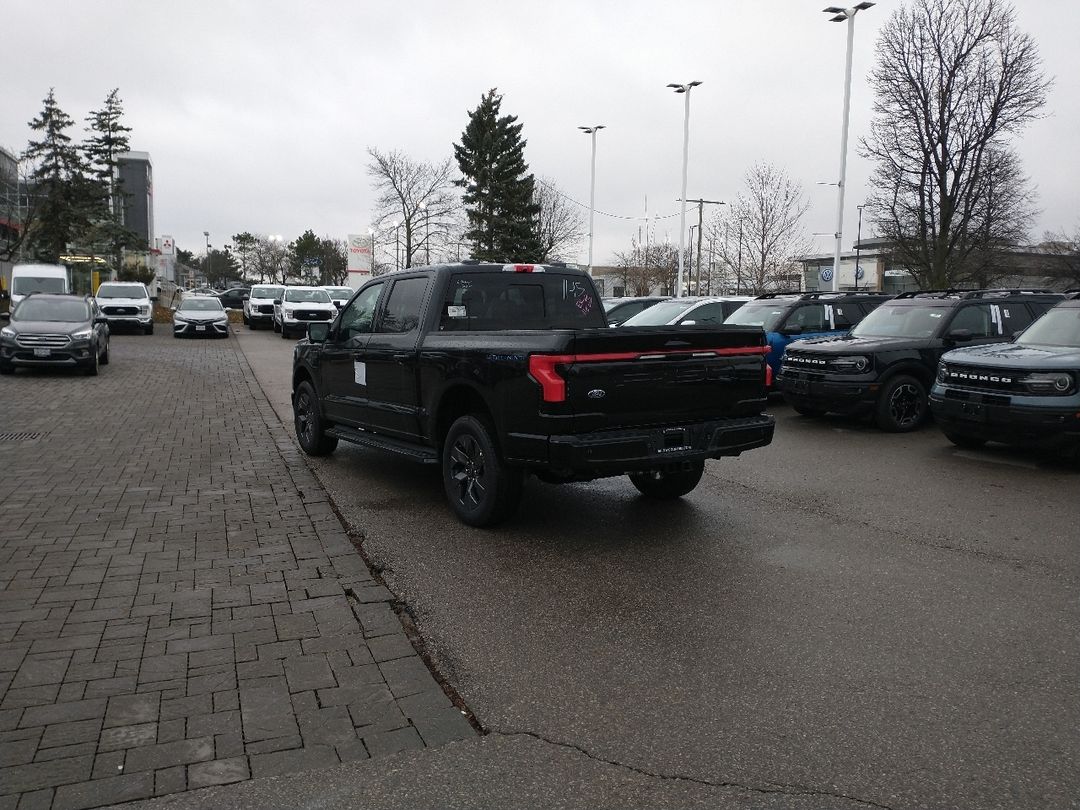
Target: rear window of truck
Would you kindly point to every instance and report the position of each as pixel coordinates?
(485, 302)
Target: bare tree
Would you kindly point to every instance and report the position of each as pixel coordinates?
(1062, 257)
(560, 225)
(270, 259)
(646, 267)
(759, 236)
(18, 210)
(419, 196)
(953, 80)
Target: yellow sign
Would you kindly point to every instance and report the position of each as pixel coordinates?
(95, 281)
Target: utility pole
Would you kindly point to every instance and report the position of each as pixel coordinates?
(700, 214)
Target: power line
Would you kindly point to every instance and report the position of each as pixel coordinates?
(601, 213)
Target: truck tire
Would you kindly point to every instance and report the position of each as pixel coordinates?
(276, 327)
(480, 487)
(91, 367)
(310, 431)
(148, 329)
(668, 485)
(902, 405)
(105, 354)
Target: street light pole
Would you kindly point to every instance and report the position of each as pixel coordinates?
(207, 235)
(592, 186)
(858, 248)
(685, 90)
(690, 269)
(844, 15)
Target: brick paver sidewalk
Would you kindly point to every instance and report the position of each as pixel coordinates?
(179, 606)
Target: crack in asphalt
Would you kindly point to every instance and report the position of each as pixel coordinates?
(771, 788)
(941, 543)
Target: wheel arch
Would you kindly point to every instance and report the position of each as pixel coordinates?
(455, 401)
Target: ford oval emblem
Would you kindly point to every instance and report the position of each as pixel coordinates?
(597, 393)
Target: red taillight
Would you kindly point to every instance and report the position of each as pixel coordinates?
(542, 369)
(768, 376)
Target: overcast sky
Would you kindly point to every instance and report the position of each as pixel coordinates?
(257, 114)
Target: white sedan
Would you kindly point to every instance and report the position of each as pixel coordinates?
(200, 316)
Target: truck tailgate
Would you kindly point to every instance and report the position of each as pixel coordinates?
(656, 375)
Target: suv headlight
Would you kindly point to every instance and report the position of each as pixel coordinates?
(82, 334)
(7, 332)
(178, 318)
(851, 365)
(288, 313)
(1051, 382)
(941, 373)
(144, 310)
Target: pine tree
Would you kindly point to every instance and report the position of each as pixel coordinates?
(503, 217)
(108, 139)
(57, 183)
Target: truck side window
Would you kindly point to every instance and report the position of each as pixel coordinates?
(402, 312)
(357, 318)
(975, 317)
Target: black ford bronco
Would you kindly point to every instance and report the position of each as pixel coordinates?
(886, 364)
(494, 371)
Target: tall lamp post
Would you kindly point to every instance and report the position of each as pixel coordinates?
(592, 185)
(427, 233)
(685, 90)
(858, 248)
(844, 15)
(207, 235)
(690, 269)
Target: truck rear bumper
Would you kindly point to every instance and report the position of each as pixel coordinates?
(614, 452)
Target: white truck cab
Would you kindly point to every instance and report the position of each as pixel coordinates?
(127, 303)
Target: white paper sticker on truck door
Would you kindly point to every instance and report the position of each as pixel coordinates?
(359, 372)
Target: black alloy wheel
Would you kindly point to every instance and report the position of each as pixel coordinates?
(480, 487)
(902, 405)
(91, 368)
(105, 354)
(668, 485)
(309, 425)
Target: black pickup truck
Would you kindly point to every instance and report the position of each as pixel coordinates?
(494, 371)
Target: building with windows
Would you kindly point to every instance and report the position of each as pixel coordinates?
(136, 175)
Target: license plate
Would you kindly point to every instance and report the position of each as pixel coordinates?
(42, 353)
(200, 328)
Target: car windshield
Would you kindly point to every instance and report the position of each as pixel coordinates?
(200, 305)
(340, 292)
(659, 314)
(767, 315)
(266, 292)
(314, 296)
(1058, 327)
(24, 285)
(121, 291)
(610, 303)
(74, 310)
(901, 321)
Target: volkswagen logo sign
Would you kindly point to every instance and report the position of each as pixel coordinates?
(826, 274)
(597, 393)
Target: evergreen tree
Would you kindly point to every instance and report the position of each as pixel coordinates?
(499, 202)
(108, 139)
(57, 183)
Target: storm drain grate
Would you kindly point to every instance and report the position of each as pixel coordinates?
(25, 436)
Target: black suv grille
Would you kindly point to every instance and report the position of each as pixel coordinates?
(983, 379)
(120, 310)
(266, 309)
(312, 315)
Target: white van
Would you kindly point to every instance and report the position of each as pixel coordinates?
(47, 278)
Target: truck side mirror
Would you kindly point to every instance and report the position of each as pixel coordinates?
(318, 331)
(960, 335)
(794, 329)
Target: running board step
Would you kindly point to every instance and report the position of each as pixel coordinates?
(414, 452)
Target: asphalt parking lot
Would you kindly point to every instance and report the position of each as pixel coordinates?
(850, 616)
